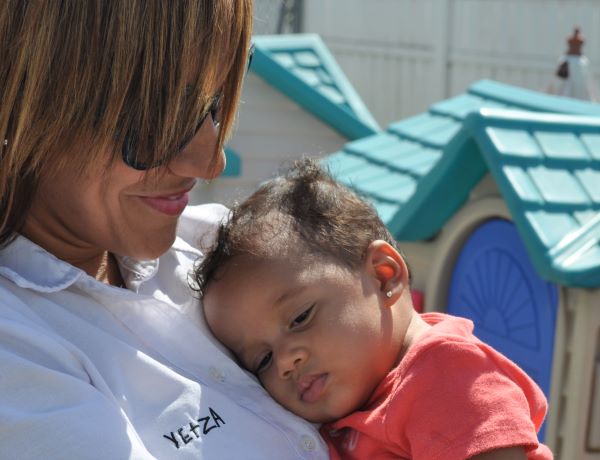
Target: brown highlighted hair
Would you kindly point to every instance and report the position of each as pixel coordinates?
(304, 209)
(77, 75)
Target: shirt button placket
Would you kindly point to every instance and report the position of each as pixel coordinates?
(308, 443)
(217, 374)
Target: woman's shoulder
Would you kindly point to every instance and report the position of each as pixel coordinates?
(29, 340)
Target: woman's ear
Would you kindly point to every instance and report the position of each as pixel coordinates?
(388, 269)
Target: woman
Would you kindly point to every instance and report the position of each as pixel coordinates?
(110, 112)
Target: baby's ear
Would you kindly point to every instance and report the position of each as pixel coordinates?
(388, 268)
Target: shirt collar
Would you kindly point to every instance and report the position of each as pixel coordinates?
(32, 267)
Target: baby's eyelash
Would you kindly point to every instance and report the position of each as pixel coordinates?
(264, 363)
(302, 317)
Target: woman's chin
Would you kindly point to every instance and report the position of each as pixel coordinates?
(153, 248)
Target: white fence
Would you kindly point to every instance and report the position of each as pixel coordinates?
(403, 55)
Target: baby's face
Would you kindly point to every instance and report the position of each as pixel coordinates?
(317, 335)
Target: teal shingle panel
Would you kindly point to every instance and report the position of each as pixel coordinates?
(325, 77)
(514, 142)
(397, 155)
(522, 184)
(307, 59)
(551, 227)
(352, 167)
(592, 143)
(583, 217)
(379, 182)
(432, 130)
(584, 260)
(460, 106)
(301, 67)
(577, 254)
(333, 95)
(371, 144)
(561, 145)
(285, 60)
(590, 181)
(559, 186)
(417, 161)
(385, 210)
(309, 77)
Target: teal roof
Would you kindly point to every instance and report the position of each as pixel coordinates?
(546, 165)
(302, 68)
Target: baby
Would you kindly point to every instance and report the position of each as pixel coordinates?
(306, 286)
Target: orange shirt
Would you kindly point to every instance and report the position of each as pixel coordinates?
(451, 397)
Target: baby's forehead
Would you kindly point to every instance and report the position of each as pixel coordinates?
(267, 235)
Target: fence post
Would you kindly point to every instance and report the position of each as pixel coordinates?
(441, 49)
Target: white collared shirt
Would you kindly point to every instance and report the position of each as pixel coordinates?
(90, 371)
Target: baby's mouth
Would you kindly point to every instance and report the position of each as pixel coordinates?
(311, 387)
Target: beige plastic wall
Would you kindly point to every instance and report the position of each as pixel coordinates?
(574, 417)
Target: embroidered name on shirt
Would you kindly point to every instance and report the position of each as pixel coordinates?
(192, 431)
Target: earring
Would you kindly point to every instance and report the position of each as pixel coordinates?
(388, 294)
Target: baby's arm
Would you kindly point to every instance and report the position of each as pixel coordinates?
(510, 453)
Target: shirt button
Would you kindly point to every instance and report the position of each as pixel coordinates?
(308, 443)
(217, 374)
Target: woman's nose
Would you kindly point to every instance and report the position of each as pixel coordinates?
(199, 157)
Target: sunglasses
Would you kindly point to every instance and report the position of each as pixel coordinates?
(140, 161)
(137, 160)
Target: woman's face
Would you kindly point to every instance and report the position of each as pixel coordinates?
(74, 216)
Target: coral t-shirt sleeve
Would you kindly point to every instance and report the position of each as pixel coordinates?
(458, 399)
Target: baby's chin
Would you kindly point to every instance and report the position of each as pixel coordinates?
(321, 415)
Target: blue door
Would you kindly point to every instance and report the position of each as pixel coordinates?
(495, 285)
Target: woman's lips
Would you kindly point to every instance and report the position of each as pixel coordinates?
(172, 205)
(311, 387)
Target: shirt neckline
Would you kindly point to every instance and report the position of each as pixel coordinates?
(32, 267)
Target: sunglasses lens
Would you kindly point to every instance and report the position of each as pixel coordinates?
(250, 56)
(137, 160)
(215, 109)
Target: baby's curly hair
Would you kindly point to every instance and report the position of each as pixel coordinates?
(305, 207)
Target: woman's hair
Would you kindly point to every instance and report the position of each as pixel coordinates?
(305, 210)
(79, 76)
